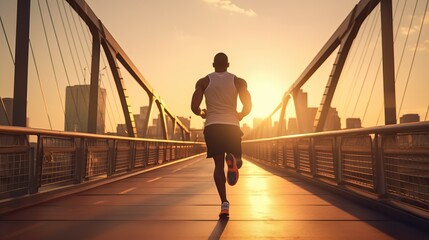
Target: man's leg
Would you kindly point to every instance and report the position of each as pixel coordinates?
(219, 176)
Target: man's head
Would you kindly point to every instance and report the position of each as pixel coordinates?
(220, 62)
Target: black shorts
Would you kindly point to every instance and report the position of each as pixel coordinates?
(223, 138)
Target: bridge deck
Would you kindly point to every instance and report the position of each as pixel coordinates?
(180, 202)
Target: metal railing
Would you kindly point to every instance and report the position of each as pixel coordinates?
(32, 160)
(387, 163)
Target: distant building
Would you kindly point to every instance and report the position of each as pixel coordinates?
(6, 111)
(77, 107)
(139, 121)
(178, 132)
(353, 123)
(197, 135)
(308, 119)
(408, 118)
(308, 115)
(333, 121)
(121, 130)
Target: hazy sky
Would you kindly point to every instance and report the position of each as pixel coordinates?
(269, 43)
(172, 42)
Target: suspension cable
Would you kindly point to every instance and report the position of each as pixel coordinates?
(62, 59)
(352, 59)
(361, 60)
(84, 96)
(52, 60)
(414, 56)
(381, 60)
(69, 45)
(74, 41)
(7, 41)
(346, 71)
(397, 71)
(367, 71)
(40, 84)
(78, 37)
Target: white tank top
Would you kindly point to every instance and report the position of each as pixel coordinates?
(221, 99)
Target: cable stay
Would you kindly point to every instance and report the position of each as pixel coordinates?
(348, 66)
(361, 62)
(381, 60)
(367, 71)
(414, 56)
(62, 59)
(81, 45)
(85, 100)
(52, 60)
(7, 41)
(40, 84)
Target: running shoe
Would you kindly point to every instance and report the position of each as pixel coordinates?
(224, 210)
(232, 175)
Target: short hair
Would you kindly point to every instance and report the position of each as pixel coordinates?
(220, 60)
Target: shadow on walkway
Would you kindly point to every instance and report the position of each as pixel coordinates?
(219, 228)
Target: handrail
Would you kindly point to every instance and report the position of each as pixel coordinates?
(394, 128)
(388, 164)
(36, 160)
(47, 132)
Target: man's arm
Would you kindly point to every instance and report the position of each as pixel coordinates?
(197, 97)
(244, 96)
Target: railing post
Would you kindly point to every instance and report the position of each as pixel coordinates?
(79, 169)
(380, 181)
(339, 162)
(33, 184)
(111, 158)
(295, 155)
(312, 158)
(38, 161)
(132, 154)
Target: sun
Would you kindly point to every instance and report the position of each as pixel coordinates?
(266, 96)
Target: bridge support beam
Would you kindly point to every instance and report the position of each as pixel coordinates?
(120, 86)
(388, 62)
(19, 117)
(93, 92)
(334, 77)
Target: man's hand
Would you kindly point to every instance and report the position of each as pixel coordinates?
(203, 113)
(240, 116)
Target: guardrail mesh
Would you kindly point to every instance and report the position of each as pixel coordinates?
(357, 163)
(15, 160)
(58, 160)
(387, 162)
(407, 167)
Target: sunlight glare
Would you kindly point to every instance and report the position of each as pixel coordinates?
(260, 203)
(265, 97)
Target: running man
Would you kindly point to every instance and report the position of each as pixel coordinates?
(222, 122)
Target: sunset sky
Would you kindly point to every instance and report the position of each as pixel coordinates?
(269, 43)
(172, 42)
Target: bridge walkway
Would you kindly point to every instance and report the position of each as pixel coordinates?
(180, 201)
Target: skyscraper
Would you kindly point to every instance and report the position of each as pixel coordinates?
(77, 107)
